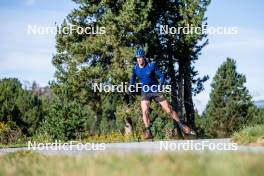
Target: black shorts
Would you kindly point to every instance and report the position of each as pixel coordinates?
(157, 96)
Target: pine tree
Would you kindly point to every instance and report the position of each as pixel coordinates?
(107, 58)
(19, 107)
(82, 60)
(230, 105)
(176, 53)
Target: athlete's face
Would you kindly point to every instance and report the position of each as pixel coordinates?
(141, 61)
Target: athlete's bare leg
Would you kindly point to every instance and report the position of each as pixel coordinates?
(145, 110)
(168, 109)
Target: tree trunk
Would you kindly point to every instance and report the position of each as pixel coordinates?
(180, 89)
(174, 94)
(128, 126)
(188, 101)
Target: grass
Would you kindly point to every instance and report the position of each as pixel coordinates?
(250, 136)
(200, 164)
(13, 145)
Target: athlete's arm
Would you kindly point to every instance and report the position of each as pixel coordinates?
(133, 77)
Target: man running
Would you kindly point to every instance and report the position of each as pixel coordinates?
(147, 74)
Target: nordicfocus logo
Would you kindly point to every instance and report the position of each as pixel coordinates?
(197, 146)
(68, 146)
(66, 30)
(204, 29)
(124, 87)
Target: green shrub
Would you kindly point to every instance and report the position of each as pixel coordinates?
(42, 137)
(19, 106)
(252, 134)
(10, 134)
(68, 120)
(162, 124)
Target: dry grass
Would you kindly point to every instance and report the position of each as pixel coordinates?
(200, 164)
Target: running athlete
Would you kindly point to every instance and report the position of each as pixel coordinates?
(147, 74)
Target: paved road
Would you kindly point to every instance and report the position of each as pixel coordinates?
(215, 145)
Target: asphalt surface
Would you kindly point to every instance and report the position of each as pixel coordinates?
(149, 147)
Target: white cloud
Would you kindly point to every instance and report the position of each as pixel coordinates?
(26, 61)
(257, 93)
(29, 66)
(242, 44)
(247, 38)
(29, 2)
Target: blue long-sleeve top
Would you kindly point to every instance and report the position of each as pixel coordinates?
(147, 75)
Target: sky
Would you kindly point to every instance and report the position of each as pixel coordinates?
(28, 56)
